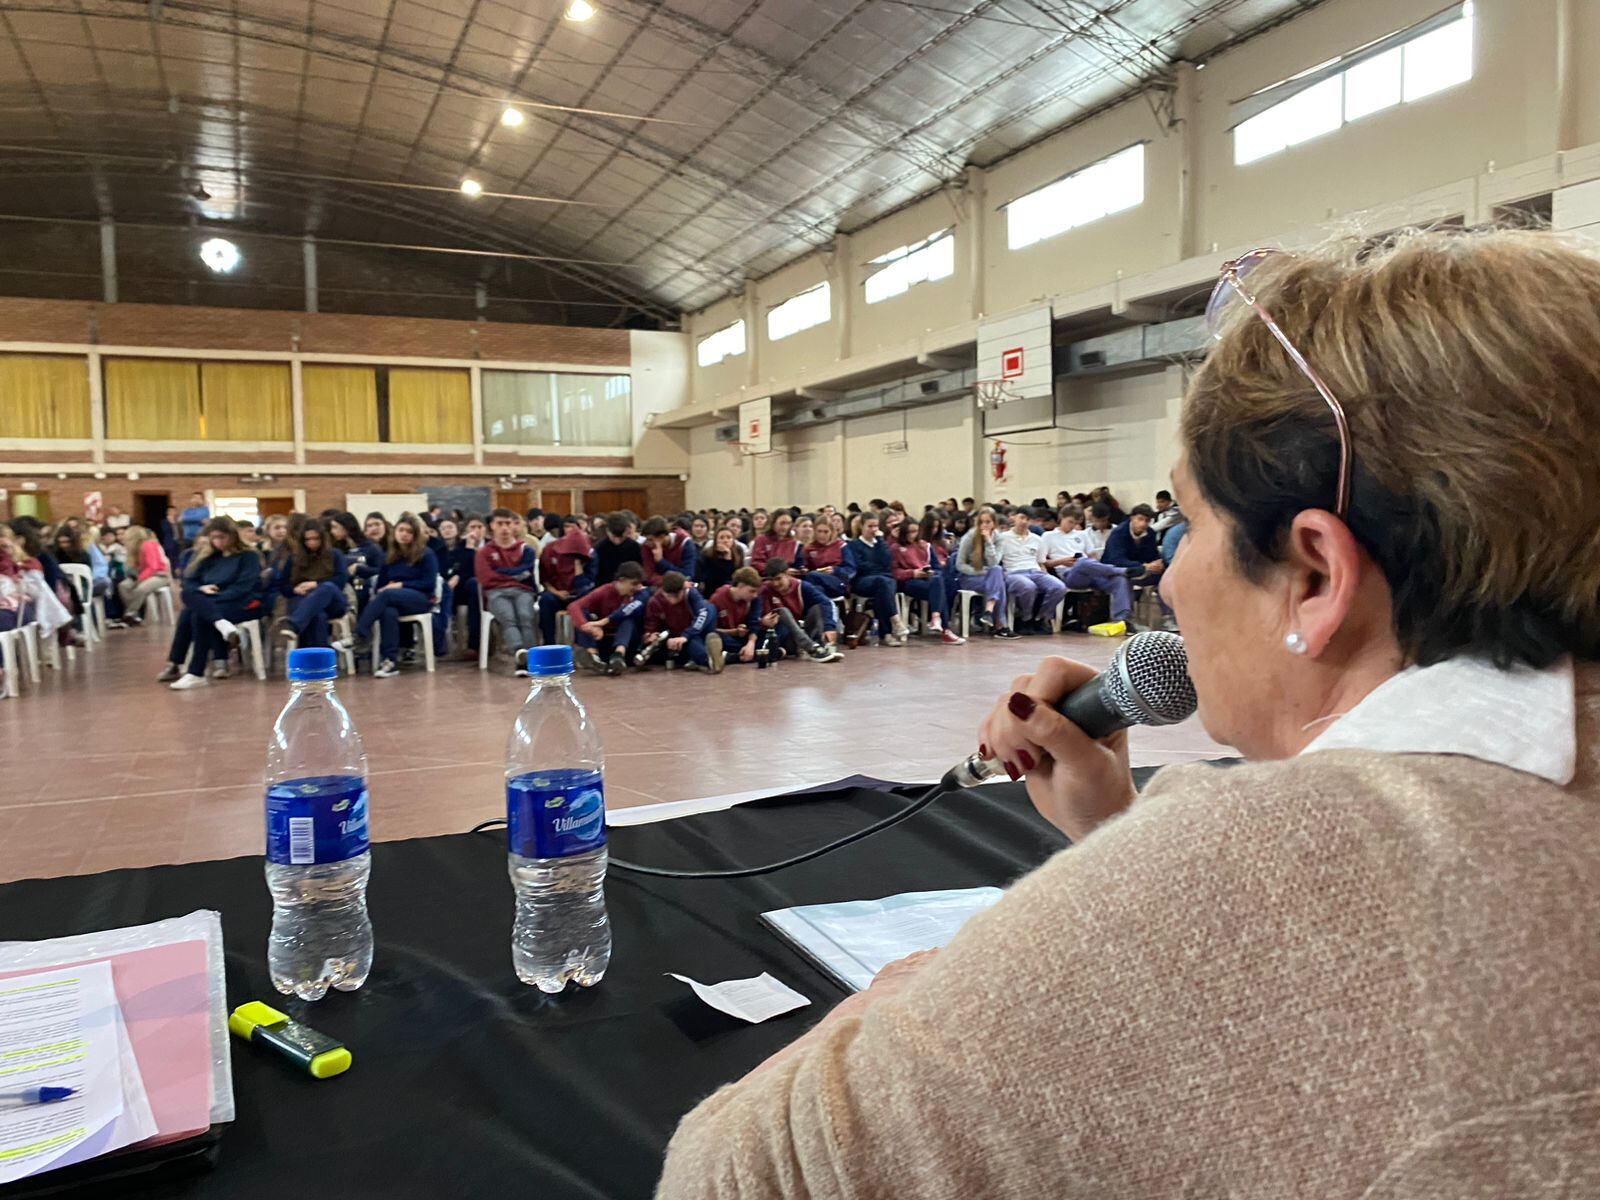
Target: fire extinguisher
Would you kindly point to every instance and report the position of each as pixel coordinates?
(997, 461)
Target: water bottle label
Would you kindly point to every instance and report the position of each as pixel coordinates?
(556, 814)
(320, 820)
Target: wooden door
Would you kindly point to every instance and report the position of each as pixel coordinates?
(557, 500)
(517, 502)
(274, 506)
(635, 500)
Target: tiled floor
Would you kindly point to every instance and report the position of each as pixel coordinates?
(106, 768)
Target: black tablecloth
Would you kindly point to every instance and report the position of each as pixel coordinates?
(468, 1083)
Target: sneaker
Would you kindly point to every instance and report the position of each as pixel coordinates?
(185, 682)
(824, 654)
(894, 639)
(168, 673)
(220, 670)
(898, 628)
(520, 661)
(387, 669)
(693, 666)
(133, 622)
(1170, 624)
(228, 630)
(1006, 633)
(344, 643)
(717, 653)
(586, 659)
(951, 638)
(116, 623)
(618, 664)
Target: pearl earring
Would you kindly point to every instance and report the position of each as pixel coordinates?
(1295, 643)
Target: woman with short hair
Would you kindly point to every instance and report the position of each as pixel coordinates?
(1365, 964)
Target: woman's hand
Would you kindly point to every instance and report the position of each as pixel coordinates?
(209, 589)
(1074, 781)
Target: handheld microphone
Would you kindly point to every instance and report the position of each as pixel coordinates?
(1147, 683)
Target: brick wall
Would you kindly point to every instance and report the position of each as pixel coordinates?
(666, 492)
(183, 327)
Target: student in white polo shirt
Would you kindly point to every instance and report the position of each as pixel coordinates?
(1035, 593)
(1070, 553)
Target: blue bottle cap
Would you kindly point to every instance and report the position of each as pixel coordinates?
(313, 663)
(550, 660)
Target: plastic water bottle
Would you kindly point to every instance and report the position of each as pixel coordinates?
(317, 857)
(556, 818)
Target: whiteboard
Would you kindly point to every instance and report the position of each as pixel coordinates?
(392, 505)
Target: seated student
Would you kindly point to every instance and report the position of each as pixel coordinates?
(1069, 553)
(1133, 546)
(148, 572)
(405, 589)
(872, 575)
(666, 549)
(608, 621)
(1035, 593)
(700, 531)
(109, 560)
(566, 572)
(918, 572)
(715, 568)
(738, 606)
(219, 589)
(462, 570)
(507, 571)
(776, 539)
(978, 570)
(784, 612)
(313, 585)
(823, 558)
(363, 557)
(1097, 526)
(615, 548)
(677, 620)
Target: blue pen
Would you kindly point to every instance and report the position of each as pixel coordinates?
(22, 1097)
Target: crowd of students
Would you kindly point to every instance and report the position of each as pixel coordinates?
(697, 591)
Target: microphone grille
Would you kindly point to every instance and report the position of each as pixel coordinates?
(1149, 680)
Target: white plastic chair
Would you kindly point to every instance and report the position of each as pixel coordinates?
(252, 647)
(485, 632)
(30, 649)
(10, 639)
(965, 598)
(159, 603)
(424, 623)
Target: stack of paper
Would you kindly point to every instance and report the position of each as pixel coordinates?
(854, 940)
(133, 1020)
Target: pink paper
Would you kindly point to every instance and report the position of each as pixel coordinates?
(165, 1001)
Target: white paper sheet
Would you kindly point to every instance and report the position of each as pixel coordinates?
(855, 939)
(60, 1029)
(754, 1000)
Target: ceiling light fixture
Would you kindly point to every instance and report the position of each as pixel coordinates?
(471, 187)
(219, 254)
(511, 117)
(580, 10)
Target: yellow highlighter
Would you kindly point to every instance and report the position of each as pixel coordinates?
(314, 1053)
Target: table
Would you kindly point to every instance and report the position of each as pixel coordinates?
(468, 1083)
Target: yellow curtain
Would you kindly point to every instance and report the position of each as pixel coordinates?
(44, 397)
(152, 399)
(341, 404)
(245, 402)
(427, 406)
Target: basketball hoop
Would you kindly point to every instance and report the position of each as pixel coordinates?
(992, 393)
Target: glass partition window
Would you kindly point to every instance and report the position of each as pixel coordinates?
(540, 408)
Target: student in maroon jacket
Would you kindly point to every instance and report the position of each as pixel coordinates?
(562, 566)
(738, 608)
(826, 567)
(782, 611)
(607, 622)
(677, 620)
(777, 540)
(507, 572)
(918, 573)
(666, 549)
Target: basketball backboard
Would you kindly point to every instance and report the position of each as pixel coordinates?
(1016, 349)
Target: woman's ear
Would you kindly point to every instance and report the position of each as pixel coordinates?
(1325, 565)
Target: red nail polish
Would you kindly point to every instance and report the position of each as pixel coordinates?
(1025, 759)
(1012, 771)
(983, 751)
(1021, 706)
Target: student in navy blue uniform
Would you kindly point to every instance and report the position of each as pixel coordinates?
(617, 547)
(362, 556)
(313, 582)
(872, 576)
(607, 622)
(219, 589)
(405, 589)
(676, 621)
(445, 543)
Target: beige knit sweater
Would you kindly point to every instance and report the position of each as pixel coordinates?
(1345, 975)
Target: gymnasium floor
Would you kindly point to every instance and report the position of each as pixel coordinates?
(105, 768)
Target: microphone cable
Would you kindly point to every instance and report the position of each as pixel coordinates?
(928, 796)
